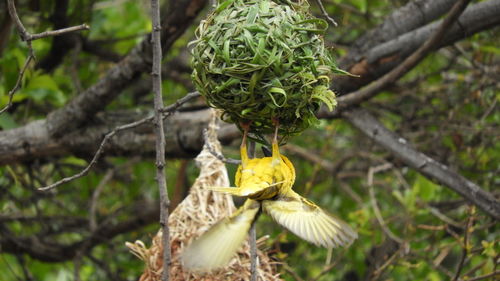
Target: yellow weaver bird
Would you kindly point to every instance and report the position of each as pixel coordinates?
(267, 183)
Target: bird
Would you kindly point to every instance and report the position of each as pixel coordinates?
(267, 184)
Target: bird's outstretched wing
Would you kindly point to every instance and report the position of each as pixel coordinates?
(217, 246)
(308, 221)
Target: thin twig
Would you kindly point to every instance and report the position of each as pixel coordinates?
(388, 262)
(171, 108)
(466, 246)
(253, 252)
(492, 274)
(28, 37)
(166, 111)
(325, 13)
(441, 216)
(409, 63)
(253, 233)
(95, 198)
(58, 32)
(373, 199)
(160, 137)
(97, 154)
(475, 268)
(329, 266)
(217, 154)
(31, 56)
(19, 25)
(292, 272)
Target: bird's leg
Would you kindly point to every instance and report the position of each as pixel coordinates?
(275, 147)
(243, 146)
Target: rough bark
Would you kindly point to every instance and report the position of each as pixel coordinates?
(427, 166)
(409, 17)
(33, 141)
(374, 60)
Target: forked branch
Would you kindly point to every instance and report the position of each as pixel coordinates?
(28, 37)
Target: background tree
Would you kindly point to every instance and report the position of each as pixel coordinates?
(410, 160)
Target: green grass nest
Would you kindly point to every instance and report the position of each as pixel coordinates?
(261, 59)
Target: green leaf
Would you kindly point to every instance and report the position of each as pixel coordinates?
(6, 121)
(425, 188)
(44, 88)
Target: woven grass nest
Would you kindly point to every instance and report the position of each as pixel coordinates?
(260, 60)
(192, 217)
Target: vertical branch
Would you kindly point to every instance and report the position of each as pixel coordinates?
(466, 245)
(160, 136)
(253, 252)
(253, 233)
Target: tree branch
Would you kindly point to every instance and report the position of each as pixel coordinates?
(33, 143)
(160, 137)
(427, 166)
(58, 32)
(408, 64)
(376, 59)
(28, 37)
(95, 98)
(160, 113)
(407, 18)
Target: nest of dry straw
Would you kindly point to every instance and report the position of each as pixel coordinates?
(198, 212)
(261, 59)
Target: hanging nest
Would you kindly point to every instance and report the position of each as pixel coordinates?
(193, 216)
(261, 59)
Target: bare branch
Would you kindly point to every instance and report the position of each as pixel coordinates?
(252, 239)
(160, 137)
(329, 266)
(19, 25)
(28, 37)
(414, 14)
(466, 246)
(97, 155)
(216, 153)
(408, 64)
(325, 13)
(98, 96)
(183, 133)
(427, 166)
(388, 45)
(253, 252)
(373, 199)
(58, 32)
(488, 275)
(165, 111)
(31, 56)
(95, 198)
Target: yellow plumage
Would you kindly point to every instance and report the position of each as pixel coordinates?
(217, 246)
(266, 182)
